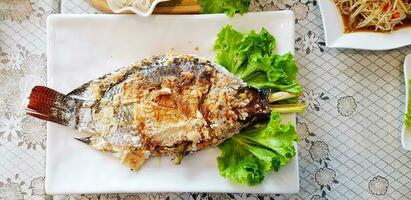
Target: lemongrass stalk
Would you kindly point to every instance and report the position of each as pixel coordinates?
(289, 108)
(278, 96)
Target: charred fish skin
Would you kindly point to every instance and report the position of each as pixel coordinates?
(158, 105)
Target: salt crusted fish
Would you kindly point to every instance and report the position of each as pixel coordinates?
(164, 105)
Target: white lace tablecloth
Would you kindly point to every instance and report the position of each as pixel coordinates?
(350, 136)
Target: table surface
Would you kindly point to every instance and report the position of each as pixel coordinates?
(350, 135)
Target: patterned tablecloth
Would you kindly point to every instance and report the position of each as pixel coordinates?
(350, 137)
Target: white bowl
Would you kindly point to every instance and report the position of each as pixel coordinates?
(115, 6)
(336, 38)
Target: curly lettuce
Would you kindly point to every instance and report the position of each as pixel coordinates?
(251, 58)
(248, 156)
(230, 7)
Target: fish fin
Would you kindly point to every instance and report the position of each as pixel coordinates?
(85, 140)
(48, 104)
(134, 159)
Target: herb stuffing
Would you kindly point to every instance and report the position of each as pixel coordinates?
(248, 156)
(230, 7)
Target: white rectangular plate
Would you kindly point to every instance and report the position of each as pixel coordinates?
(84, 47)
(336, 38)
(406, 131)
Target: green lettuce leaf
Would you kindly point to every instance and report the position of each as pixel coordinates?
(407, 119)
(251, 58)
(230, 7)
(248, 156)
(407, 116)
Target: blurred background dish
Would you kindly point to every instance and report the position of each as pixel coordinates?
(368, 29)
(140, 7)
(156, 7)
(379, 16)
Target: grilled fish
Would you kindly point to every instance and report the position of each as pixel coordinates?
(170, 104)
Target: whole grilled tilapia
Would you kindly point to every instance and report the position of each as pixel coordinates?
(164, 105)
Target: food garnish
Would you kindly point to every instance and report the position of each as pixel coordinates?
(251, 58)
(407, 116)
(247, 157)
(230, 7)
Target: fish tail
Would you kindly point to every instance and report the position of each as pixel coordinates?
(48, 104)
